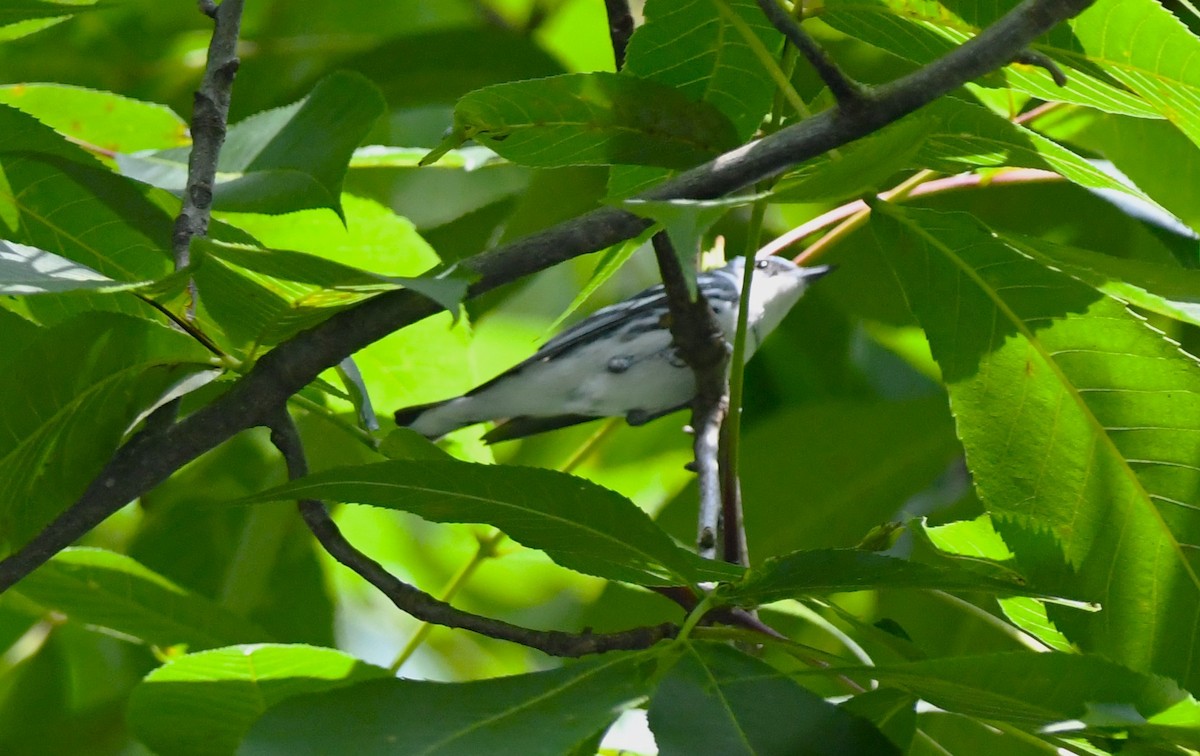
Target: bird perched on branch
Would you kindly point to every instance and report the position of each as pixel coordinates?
(620, 361)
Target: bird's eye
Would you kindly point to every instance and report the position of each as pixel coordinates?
(762, 264)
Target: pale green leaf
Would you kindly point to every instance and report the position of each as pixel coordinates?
(204, 703)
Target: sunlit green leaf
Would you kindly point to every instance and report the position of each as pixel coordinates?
(102, 120)
(204, 703)
(922, 30)
(1080, 425)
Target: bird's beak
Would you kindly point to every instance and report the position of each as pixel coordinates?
(815, 272)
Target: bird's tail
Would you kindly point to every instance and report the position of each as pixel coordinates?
(426, 420)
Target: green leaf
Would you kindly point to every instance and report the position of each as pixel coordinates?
(923, 30)
(29, 270)
(1039, 690)
(689, 45)
(1155, 57)
(1155, 155)
(469, 158)
(23, 17)
(542, 712)
(109, 590)
(1081, 427)
(969, 136)
(860, 168)
(100, 119)
(482, 55)
(578, 524)
(72, 395)
(281, 160)
(205, 703)
(823, 571)
(612, 261)
(267, 295)
(592, 119)
(716, 699)
(863, 460)
(113, 226)
(685, 222)
(420, 363)
(1166, 289)
(329, 275)
(977, 541)
(892, 711)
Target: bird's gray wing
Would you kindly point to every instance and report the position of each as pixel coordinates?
(607, 321)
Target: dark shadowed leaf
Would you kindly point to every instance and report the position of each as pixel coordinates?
(822, 571)
(591, 119)
(118, 367)
(110, 590)
(691, 46)
(716, 699)
(578, 524)
(543, 712)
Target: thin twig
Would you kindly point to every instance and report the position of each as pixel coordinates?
(959, 182)
(1041, 60)
(210, 115)
(421, 605)
(139, 466)
(699, 341)
(620, 28)
(845, 90)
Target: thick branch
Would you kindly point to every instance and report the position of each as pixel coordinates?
(620, 28)
(699, 341)
(141, 464)
(424, 607)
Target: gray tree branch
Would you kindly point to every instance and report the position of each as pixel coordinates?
(425, 607)
(147, 460)
(700, 343)
(210, 116)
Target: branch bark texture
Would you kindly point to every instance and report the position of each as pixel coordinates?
(700, 343)
(210, 115)
(147, 460)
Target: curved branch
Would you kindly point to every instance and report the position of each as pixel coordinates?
(148, 460)
(421, 605)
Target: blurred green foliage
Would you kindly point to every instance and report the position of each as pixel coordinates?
(950, 323)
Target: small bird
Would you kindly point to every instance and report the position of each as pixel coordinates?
(620, 361)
